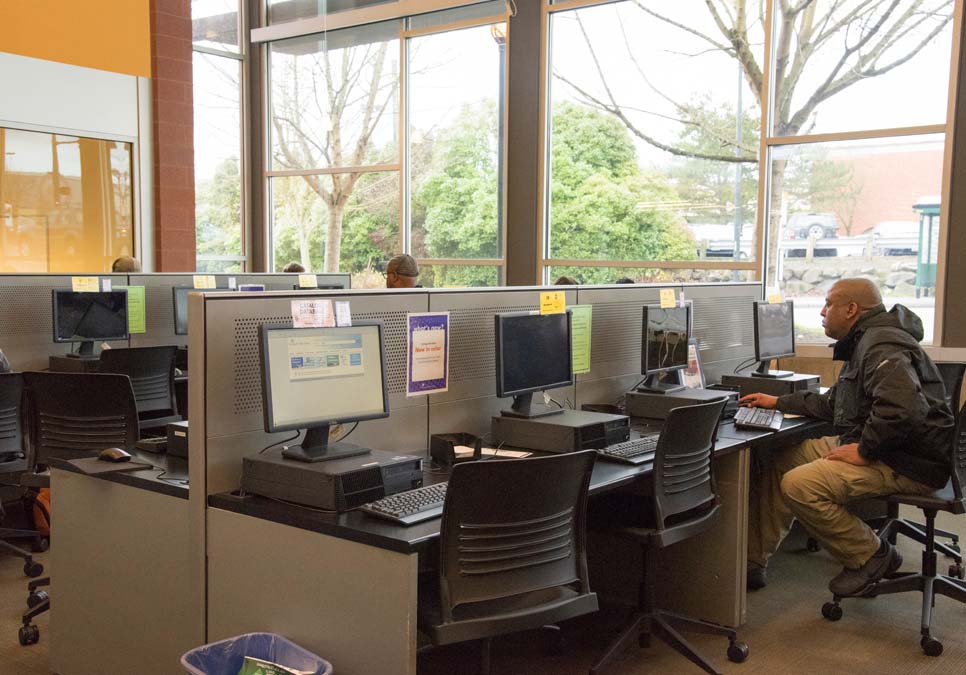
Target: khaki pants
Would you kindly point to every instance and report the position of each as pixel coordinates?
(797, 482)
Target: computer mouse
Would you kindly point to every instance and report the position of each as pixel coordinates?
(114, 455)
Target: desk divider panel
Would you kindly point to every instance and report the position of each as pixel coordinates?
(471, 399)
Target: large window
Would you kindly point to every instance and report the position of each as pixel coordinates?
(654, 140)
(387, 138)
(66, 203)
(855, 153)
(218, 67)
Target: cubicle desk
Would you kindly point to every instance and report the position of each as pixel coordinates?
(345, 585)
(125, 598)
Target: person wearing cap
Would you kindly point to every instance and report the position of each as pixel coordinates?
(402, 272)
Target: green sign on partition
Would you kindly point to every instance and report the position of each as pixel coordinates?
(580, 337)
(135, 309)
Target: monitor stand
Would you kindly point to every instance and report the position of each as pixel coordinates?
(315, 447)
(524, 407)
(86, 351)
(653, 384)
(762, 370)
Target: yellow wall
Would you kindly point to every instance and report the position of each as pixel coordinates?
(112, 35)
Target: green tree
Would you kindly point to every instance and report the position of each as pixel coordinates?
(218, 215)
(604, 206)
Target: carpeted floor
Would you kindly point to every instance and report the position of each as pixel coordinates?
(785, 632)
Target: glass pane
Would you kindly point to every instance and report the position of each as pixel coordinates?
(643, 275)
(458, 276)
(283, 11)
(335, 99)
(66, 203)
(218, 181)
(214, 24)
(480, 10)
(847, 66)
(454, 99)
(336, 222)
(858, 208)
(654, 139)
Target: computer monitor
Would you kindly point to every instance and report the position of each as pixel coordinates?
(180, 295)
(664, 346)
(86, 317)
(313, 378)
(533, 354)
(774, 336)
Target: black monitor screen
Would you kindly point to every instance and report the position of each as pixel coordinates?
(83, 317)
(774, 330)
(532, 352)
(665, 338)
(181, 306)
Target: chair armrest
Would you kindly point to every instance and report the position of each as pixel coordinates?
(35, 480)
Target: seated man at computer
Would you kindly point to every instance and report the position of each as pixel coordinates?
(893, 430)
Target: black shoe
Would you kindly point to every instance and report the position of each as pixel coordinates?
(756, 578)
(860, 581)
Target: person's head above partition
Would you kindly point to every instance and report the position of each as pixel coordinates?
(566, 281)
(126, 264)
(294, 267)
(402, 272)
(624, 280)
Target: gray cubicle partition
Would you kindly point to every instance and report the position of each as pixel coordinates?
(26, 326)
(226, 386)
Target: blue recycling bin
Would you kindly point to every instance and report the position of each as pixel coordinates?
(225, 657)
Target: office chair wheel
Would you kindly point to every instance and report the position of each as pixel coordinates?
(28, 635)
(812, 545)
(40, 544)
(36, 597)
(931, 646)
(737, 652)
(956, 570)
(832, 611)
(33, 569)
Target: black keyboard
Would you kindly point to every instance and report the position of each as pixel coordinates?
(759, 418)
(634, 451)
(410, 507)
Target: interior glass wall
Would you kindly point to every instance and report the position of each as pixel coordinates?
(66, 203)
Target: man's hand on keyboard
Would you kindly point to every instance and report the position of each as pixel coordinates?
(759, 401)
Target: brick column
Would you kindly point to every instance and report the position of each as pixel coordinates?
(174, 171)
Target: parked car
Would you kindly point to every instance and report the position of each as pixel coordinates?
(895, 237)
(812, 226)
(718, 240)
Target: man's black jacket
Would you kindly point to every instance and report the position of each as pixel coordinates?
(889, 397)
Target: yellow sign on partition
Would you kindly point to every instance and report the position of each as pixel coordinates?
(85, 284)
(204, 281)
(308, 281)
(774, 296)
(667, 298)
(553, 302)
(580, 337)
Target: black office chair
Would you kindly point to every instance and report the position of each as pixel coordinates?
(13, 460)
(512, 550)
(891, 524)
(151, 370)
(71, 415)
(951, 499)
(682, 504)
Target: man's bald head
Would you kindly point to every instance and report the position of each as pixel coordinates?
(862, 292)
(846, 302)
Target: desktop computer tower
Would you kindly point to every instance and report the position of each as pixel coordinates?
(657, 406)
(336, 484)
(567, 431)
(773, 386)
